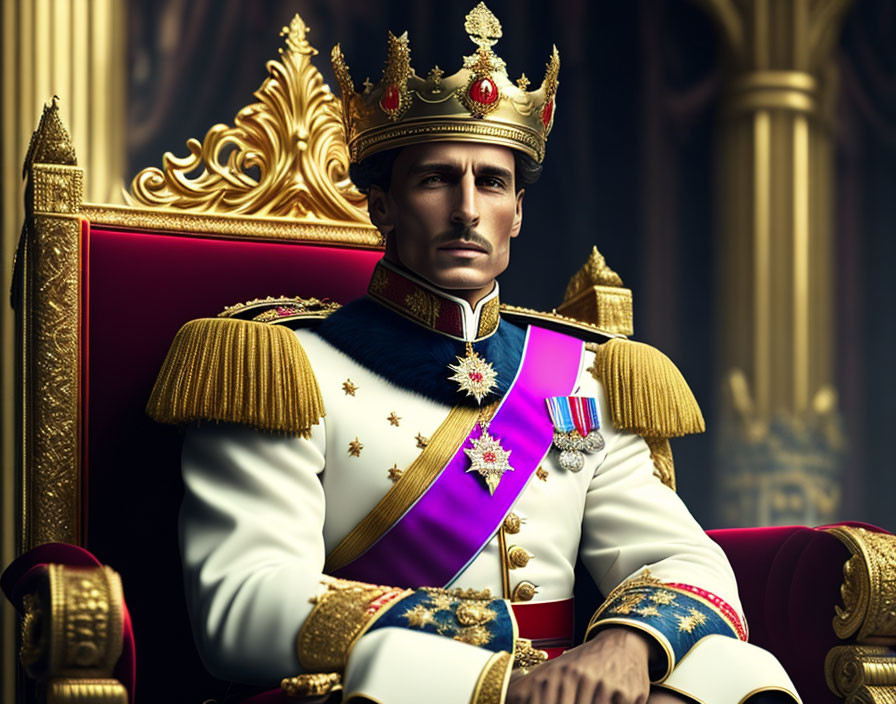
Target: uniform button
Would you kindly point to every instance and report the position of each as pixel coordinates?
(524, 591)
(512, 523)
(518, 557)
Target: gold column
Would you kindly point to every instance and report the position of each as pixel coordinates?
(780, 442)
(74, 49)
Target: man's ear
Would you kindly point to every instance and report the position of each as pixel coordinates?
(379, 210)
(518, 213)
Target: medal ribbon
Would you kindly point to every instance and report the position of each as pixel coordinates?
(574, 412)
(447, 527)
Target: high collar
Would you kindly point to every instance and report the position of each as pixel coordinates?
(432, 308)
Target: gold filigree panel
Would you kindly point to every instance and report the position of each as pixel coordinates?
(57, 189)
(285, 156)
(52, 381)
(233, 226)
(869, 587)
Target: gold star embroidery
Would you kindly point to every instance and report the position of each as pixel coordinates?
(523, 82)
(395, 473)
(393, 418)
(419, 616)
(627, 603)
(690, 622)
(355, 447)
(541, 474)
(648, 611)
(422, 441)
(367, 85)
(474, 635)
(349, 387)
(440, 602)
(662, 597)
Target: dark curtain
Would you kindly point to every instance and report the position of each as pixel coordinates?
(866, 256)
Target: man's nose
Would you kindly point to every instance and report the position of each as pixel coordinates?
(466, 206)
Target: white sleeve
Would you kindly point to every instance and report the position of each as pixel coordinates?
(251, 532)
(251, 535)
(632, 520)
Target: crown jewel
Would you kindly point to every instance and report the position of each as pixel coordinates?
(479, 103)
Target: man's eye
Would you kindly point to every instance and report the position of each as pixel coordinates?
(433, 178)
(490, 182)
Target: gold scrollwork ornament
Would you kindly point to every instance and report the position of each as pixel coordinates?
(869, 587)
(293, 138)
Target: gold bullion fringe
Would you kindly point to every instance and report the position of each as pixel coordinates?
(646, 392)
(315, 684)
(493, 681)
(237, 371)
(416, 479)
(663, 463)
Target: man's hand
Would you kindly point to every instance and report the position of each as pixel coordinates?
(611, 668)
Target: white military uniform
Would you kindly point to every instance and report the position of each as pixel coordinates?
(262, 510)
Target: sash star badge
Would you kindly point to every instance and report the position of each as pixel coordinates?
(474, 375)
(489, 459)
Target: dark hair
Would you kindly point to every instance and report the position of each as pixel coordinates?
(376, 170)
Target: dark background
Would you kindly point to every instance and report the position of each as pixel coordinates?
(629, 168)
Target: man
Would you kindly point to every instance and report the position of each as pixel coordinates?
(389, 476)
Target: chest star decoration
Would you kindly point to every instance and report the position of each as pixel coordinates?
(349, 387)
(473, 375)
(489, 459)
(355, 447)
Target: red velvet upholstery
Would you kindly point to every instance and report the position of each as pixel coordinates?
(789, 580)
(141, 288)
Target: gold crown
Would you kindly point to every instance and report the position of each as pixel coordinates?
(479, 103)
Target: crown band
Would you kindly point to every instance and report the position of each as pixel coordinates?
(479, 103)
(408, 132)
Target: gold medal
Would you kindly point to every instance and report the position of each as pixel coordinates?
(473, 374)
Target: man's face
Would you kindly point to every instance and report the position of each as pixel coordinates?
(450, 213)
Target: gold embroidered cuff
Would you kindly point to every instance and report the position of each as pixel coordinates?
(492, 684)
(341, 614)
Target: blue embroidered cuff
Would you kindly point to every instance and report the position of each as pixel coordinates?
(466, 616)
(673, 615)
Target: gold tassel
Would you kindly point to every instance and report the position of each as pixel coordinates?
(237, 371)
(663, 463)
(646, 392)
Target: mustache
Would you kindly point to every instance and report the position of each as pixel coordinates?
(464, 233)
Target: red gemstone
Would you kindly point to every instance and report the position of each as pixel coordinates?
(489, 457)
(547, 113)
(484, 91)
(391, 99)
(475, 376)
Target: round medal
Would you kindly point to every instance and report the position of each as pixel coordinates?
(594, 441)
(572, 460)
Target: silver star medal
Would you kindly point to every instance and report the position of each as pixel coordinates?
(571, 416)
(488, 458)
(474, 375)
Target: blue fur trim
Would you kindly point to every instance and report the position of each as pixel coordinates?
(415, 358)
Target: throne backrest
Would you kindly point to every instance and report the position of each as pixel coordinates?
(102, 290)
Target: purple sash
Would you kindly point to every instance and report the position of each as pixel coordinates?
(456, 517)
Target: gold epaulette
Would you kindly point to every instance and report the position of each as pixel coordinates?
(646, 392)
(237, 371)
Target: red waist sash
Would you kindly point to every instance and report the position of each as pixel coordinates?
(548, 624)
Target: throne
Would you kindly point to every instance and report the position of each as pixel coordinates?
(100, 291)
